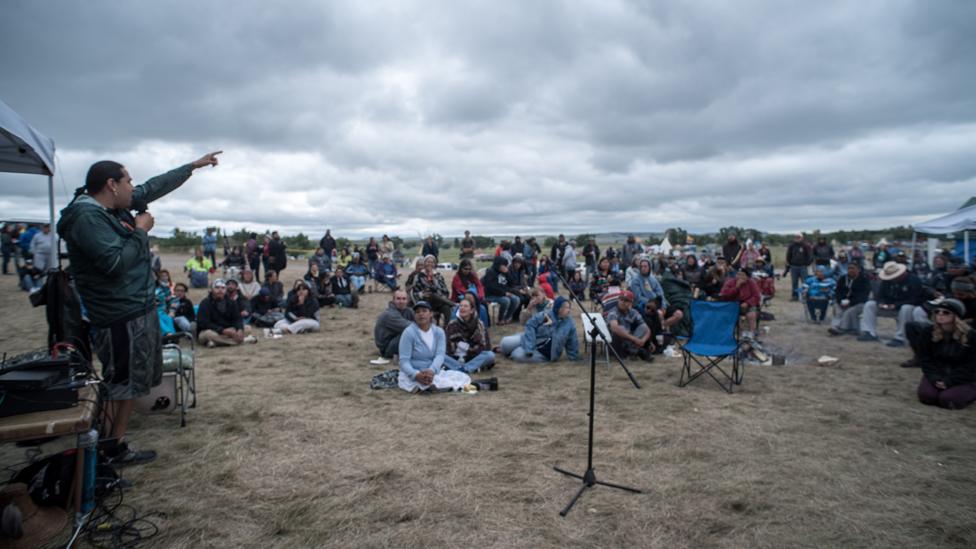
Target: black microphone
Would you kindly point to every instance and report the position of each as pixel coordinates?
(140, 206)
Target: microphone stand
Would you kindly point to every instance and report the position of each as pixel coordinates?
(589, 476)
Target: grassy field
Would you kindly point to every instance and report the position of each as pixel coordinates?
(289, 447)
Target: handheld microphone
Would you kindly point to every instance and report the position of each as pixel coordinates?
(140, 206)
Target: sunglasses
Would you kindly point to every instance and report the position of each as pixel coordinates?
(942, 312)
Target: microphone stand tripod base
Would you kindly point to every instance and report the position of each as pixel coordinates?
(589, 481)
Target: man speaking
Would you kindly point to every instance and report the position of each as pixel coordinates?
(108, 250)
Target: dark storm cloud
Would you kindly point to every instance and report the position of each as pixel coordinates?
(531, 116)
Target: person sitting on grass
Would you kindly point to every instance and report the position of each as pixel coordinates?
(321, 259)
(358, 273)
(497, 290)
(386, 273)
(468, 343)
(249, 287)
(302, 313)
(181, 309)
(322, 290)
(900, 295)
(390, 325)
(234, 263)
(422, 353)
(31, 278)
(946, 352)
(819, 290)
(429, 286)
(743, 289)
(646, 287)
(538, 301)
(243, 304)
(547, 335)
(198, 269)
(342, 290)
(219, 321)
(693, 272)
(600, 279)
(275, 287)
(853, 291)
(577, 285)
(629, 334)
(265, 310)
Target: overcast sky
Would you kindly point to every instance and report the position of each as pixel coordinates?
(503, 117)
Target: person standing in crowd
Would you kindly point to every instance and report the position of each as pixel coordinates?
(799, 256)
(276, 250)
(252, 251)
(108, 250)
(732, 250)
(630, 250)
(328, 244)
(591, 256)
(557, 254)
(7, 247)
(42, 249)
(430, 248)
(467, 246)
(25, 239)
(372, 254)
(823, 252)
(209, 245)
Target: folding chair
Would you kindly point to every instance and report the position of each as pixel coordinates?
(715, 337)
(601, 324)
(178, 358)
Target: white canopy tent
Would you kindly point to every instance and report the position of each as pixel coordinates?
(26, 150)
(962, 220)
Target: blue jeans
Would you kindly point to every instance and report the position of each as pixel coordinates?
(344, 299)
(27, 283)
(357, 282)
(506, 305)
(477, 363)
(797, 275)
(512, 348)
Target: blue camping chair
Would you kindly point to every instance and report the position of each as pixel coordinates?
(715, 337)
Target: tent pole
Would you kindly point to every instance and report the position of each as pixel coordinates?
(965, 245)
(911, 258)
(50, 198)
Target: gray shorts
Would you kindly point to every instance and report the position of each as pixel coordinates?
(131, 356)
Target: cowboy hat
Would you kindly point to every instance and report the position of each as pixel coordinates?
(892, 270)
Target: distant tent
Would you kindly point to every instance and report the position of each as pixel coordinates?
(26, 150)
(962, 220)
(970, 202)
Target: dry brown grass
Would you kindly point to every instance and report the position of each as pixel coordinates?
(289, 447)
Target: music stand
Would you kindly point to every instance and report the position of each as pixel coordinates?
(589, 476)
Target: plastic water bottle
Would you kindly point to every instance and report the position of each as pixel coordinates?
(89, 443)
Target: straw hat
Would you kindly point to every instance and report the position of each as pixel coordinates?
(892, 270)
(35, 525)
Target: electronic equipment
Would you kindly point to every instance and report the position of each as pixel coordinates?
(37, 382)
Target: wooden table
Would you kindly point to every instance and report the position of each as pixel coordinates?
(67, 421)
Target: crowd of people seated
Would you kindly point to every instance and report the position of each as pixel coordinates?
(444, 327)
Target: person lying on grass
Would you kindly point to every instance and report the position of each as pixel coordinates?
(546, 336)
(422, 355)
(945, 349)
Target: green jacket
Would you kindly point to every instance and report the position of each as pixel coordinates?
(109, 257)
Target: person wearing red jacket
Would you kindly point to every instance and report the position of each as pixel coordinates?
(463, 282)
(744, 289)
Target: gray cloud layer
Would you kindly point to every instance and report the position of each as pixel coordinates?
(533, 116)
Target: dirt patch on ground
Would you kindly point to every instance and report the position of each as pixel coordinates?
(289, 447)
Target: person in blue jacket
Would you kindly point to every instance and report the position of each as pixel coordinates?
(646, 287)
(547, 335)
